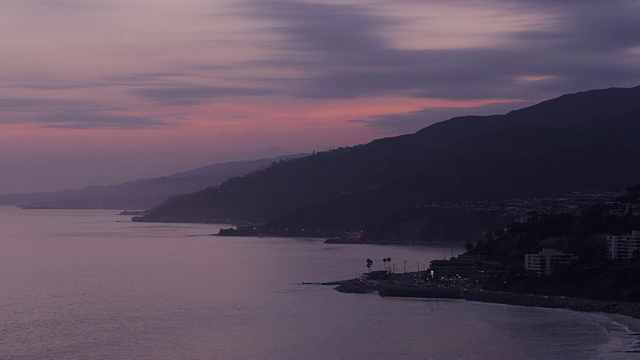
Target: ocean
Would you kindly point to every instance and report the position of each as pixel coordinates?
(90, 284)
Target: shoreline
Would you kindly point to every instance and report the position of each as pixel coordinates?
(630, 309)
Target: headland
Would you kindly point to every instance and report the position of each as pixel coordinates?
(411, 285)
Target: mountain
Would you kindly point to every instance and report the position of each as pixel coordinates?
(140, 194)
(583, 141)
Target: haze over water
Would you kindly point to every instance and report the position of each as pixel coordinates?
(80, 284)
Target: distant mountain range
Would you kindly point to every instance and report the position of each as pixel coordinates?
(583, 141)
(140, 194)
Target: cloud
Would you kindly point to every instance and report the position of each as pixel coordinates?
(84, 120)
(354, 49)
(344, 51)
(46, 105)
(145, 78)
(65, 5)
(349, 30)
(194, 94)
(72, 114)
(51, 82)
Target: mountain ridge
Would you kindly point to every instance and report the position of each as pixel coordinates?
(570, 143)
(140, 193)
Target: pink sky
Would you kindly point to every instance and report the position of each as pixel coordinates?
(104, 91)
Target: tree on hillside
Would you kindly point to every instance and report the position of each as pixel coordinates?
(468, 246)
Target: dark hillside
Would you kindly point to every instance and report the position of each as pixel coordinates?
(576, 142)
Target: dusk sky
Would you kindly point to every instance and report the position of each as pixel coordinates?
(103, 91)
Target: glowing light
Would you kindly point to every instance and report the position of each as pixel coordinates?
(533, 78)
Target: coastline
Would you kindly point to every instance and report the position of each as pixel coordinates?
(630, 309)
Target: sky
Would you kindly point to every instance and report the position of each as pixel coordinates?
(96, 92)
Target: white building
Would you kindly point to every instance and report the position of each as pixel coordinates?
(546, 261)
(623, 246)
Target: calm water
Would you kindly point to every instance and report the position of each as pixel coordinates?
(91, 285)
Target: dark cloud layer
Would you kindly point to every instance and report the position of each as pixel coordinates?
(190, 95)
(342, 49)
(72, 114)
(44, 105)
(66, 5)
(80, 120)
(345, 51)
